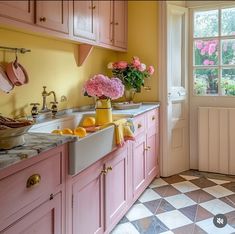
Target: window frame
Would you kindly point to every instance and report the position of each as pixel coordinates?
(220, 38)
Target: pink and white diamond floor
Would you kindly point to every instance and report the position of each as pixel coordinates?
(182, 204)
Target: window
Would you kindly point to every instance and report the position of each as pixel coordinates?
(214, 52)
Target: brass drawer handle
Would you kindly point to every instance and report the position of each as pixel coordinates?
(139, 126)
(42, 19)
(153, 118)
(116, 23)
(33, 180)
(92, 7)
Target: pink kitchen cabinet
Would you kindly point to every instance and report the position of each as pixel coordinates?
(32, 198)
(53, 15)
(19, 10)
(85, 19)
(100, 194)
(116, 186)
(45, 219)
(113, 24)
(88, 201)
(145, 151)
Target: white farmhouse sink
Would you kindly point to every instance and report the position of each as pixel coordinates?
(85, 151)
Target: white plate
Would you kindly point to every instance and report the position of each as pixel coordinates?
(125, 105)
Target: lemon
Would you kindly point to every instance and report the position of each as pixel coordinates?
(88, 122)
(67, 131)
(57, 131)
(80, 131)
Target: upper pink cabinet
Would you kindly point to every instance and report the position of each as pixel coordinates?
(101, 23)
(113, 24)
(20, 10)
(53, 15)
(85, 19)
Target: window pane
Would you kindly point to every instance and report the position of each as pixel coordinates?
(206, 24)
(228, 51)
(228, 21)
(205, 81)
(206, 52)
(228, 82)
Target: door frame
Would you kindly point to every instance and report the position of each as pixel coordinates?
(162, 73)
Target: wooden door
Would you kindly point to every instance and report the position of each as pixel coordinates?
(46, 219)
(120, 24)
(53, 15)
(116, 182)
(85, 19)
(175, 128)
(139, 165)
(106, 22)
(19, 10)
(88, 210)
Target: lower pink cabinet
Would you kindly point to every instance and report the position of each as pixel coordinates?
(32, 195)
(45, 219)
(100, 194)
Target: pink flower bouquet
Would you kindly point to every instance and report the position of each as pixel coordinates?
(103, 87)
(131, 74)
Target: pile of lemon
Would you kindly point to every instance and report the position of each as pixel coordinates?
(79, 130)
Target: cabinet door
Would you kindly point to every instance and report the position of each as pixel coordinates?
(120, 24)
(106, 22)
(19, 10)
(87, 192)
(53, 15)
(139, 165)
(46, 219)
(85, 19)
(152, 154)
(116, 186)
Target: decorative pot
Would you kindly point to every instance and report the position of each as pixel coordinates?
(129, 94)
(103, 112)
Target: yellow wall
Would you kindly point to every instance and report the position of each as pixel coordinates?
(143, 41)
(53, 62)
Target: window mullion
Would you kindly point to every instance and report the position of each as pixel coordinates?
(219, 55)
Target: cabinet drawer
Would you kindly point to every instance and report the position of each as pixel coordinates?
(25, 189)
(139, 124)
(153, 118)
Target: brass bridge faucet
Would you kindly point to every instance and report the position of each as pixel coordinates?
(45, 94)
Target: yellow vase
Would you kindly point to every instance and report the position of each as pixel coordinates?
(103, 112)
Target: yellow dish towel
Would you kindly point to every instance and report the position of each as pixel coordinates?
(123, 131)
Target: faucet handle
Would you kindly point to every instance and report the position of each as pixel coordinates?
(54, 109)
(34, 110)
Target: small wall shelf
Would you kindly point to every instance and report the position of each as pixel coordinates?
(84, 51)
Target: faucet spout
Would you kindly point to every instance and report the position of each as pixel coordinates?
(45, 94)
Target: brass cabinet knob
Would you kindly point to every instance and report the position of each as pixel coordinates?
(104, 171)
(109, 168)
(139, 126)
(42, 19)
(111, 22)
(92, 7)
(153, 118)
(147, 148)
(33, 180)
(116, 24)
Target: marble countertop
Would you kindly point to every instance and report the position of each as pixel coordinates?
(36, 143)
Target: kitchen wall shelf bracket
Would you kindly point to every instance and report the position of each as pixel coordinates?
(20, 50)
(84, 51)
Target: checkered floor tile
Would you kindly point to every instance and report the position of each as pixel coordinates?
(182, 204)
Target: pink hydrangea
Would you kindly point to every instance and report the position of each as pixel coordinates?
(102, 87)
(142, 67)
(212, 48)
(199, 44)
